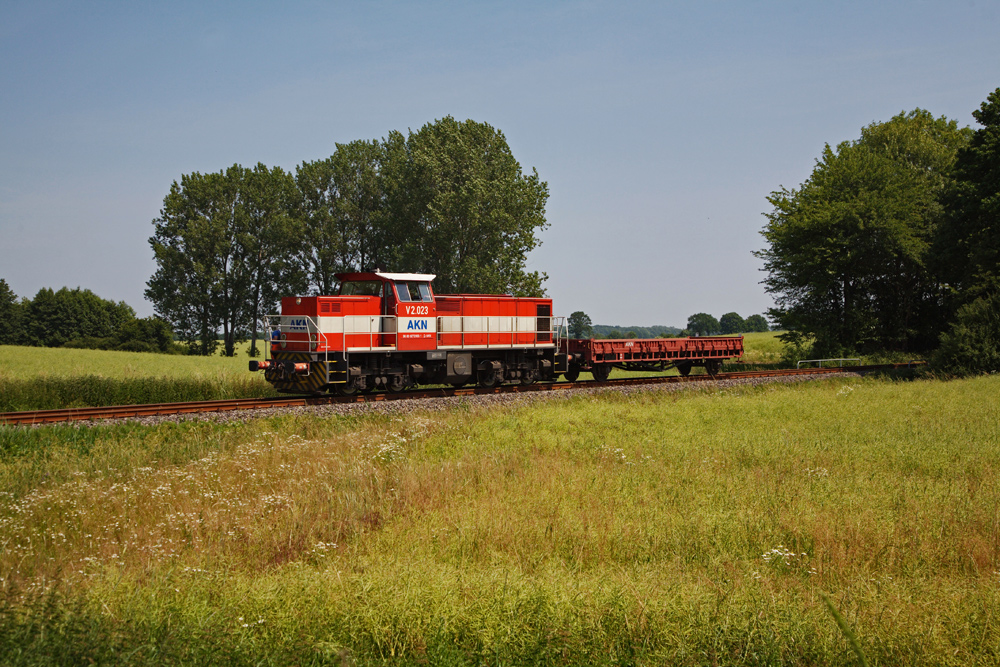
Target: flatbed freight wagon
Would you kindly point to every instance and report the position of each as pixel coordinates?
(599, 356)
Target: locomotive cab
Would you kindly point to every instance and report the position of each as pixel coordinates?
(405, 303)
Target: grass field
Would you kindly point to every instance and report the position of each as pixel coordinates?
(698, 528)
(36, 378)
(25, 363)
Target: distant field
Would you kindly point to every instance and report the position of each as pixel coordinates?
(35, 378)
(762, 348)
(29, 362)
(692, 528)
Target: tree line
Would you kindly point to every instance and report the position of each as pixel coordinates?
(893, 243)
(579, 325)
(78, 318)
(703, 324)
(449, 199)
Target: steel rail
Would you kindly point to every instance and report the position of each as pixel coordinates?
(34, 417)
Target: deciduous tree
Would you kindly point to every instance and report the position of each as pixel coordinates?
(270, 237)
(848, 251)
(461, 198)
(969, 244)
(731, 323)
(225, 247)
(11, 316)
(189, 245)
(756, 323)
(580, 325)
(343, 209)
(702, 324)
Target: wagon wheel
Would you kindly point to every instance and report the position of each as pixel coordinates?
(487, 378)
(601, 372)
(684, 368)
(572, 374)
(713, 366)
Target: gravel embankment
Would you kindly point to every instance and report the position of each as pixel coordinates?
(444, 403)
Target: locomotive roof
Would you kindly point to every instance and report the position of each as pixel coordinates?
(373, 275)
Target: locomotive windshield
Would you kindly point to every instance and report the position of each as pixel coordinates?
(412, 290)
(361, 288)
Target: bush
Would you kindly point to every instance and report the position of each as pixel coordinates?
(972, 345)
(90, 343)
(149, 334)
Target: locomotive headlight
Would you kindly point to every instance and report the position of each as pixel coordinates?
(313, 337)
(298, 301)
(284, 342)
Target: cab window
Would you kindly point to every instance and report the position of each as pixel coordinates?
(361, 288)
(414, 291)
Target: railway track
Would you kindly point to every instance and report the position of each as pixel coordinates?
(34, 417)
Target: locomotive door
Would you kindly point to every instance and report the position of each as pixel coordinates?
(388, 319)
(416, 319)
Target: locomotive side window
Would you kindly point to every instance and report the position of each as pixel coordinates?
(361, 288)
(414, 291)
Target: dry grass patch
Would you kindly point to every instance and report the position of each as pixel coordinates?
(267, 502)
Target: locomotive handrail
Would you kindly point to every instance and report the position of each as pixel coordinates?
(386, 325)
(312, 329)
(554, 332)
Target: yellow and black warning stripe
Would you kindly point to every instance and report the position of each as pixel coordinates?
(322, 371)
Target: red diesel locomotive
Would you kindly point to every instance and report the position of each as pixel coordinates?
(390, 331)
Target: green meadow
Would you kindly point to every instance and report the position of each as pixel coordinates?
(700, 527)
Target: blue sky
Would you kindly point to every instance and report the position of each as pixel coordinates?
(660, 127)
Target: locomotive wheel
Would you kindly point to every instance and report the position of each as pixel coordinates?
(573, 374)
(601, 372)
(684, 368)
(346, 389)
(487, 378)
(396, 383)
(528, 377)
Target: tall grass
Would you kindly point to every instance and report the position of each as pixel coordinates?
(695, 528)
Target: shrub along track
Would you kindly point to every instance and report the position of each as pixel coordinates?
(37, 417)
